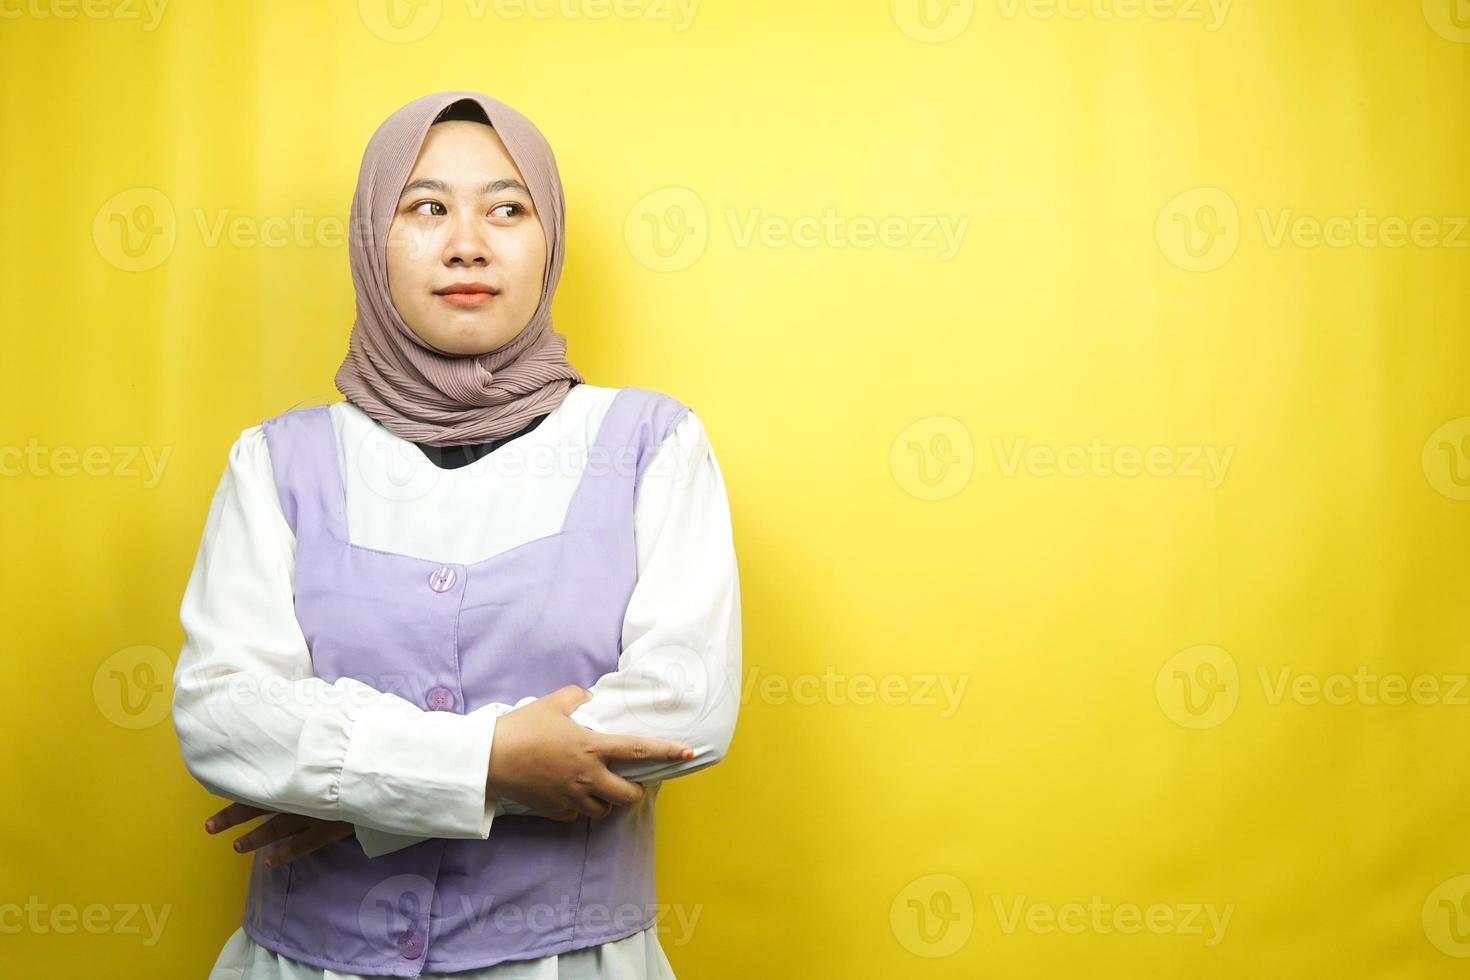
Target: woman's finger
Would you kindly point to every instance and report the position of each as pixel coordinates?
(596, 807)
(230, 816)
(278, 826)
(639, 748)
(318, 835)
(608, 785)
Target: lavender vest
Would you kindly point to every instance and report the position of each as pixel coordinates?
(453, 637)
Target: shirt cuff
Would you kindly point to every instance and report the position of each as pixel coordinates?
(376, 843)
(418, 773)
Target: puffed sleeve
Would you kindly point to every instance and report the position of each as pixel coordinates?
(256, 726)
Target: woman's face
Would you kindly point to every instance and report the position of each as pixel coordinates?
(465, 218)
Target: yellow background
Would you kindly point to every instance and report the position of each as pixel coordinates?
(1124, 275)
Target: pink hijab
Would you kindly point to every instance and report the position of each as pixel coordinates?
(413, 389)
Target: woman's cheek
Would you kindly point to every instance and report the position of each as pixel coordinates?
(531, 261)
(419, 246)
(406, 248)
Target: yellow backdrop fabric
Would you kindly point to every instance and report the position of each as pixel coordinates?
(1090, 382)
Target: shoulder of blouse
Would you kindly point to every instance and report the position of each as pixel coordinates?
(249, 474)
(249, 464)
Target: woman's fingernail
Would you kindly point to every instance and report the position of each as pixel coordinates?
(209, 826)
(239, 846)
(688, 753)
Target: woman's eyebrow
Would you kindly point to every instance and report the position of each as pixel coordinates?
(493, 187)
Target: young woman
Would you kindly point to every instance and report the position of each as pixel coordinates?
(475, 548)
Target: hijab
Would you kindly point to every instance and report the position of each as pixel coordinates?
(410, 387)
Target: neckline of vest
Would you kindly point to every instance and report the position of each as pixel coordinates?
(336, 509)
(471, 469)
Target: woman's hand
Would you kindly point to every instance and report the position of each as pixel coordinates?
(544, 760)
(306, 833)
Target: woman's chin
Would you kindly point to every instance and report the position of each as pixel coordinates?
(468, 340)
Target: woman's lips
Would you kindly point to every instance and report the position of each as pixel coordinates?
(467, 299)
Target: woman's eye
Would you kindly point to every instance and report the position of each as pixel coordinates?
(440, 210)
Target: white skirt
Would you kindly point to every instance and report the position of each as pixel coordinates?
(635, 957)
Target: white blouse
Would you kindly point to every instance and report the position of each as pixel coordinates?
(256, 726)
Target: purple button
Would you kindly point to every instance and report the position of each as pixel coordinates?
(439, 699)
(442, 579)
(411, 944)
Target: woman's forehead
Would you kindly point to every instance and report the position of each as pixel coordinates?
(464, 161)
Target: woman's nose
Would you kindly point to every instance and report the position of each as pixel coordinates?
(469, 242)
